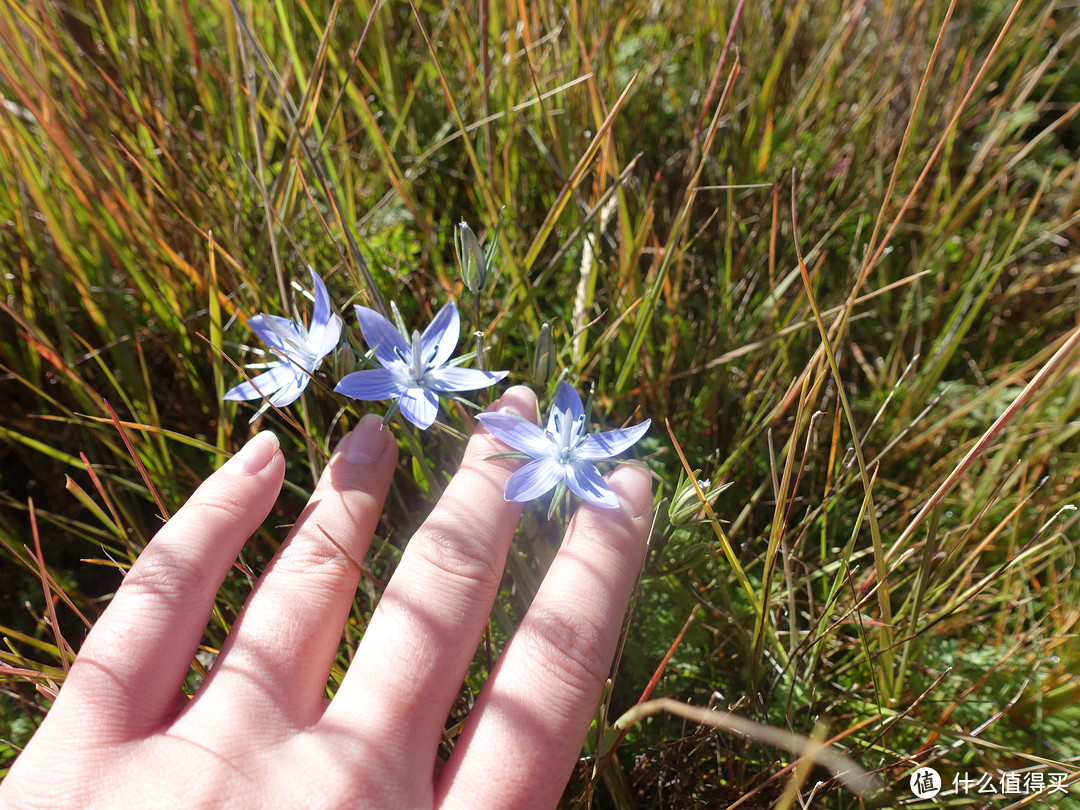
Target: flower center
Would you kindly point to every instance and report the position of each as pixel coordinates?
(568, 435)
(416, 364)
(294, 340)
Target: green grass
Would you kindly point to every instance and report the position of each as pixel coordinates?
(824, 260)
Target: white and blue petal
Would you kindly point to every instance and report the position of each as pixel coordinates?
(584, 480)
(601, 446)
(373, 383)
(292, 389)
(273, 330)
(265, 384)
(533, 480)
(567, 401)
(454, 378)
(325, 330)
(382, 337)
(420, 406)
(520, 434)
(441, 336)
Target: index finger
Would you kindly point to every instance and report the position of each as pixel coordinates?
(133, 662)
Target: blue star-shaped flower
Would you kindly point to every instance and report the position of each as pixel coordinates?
(564, 452)
(300, 348)
(416, 371)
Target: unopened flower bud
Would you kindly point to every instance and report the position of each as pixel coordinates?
(543, 364)
(470, 258)
(686, 503)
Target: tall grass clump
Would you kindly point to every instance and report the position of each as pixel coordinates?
(829, 247)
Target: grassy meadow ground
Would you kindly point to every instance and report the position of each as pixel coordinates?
(830, 247)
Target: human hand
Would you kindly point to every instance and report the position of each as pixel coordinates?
(259, 732)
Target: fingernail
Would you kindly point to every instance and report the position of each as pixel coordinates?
(253, 456)
(367, 441)
(514, 400)
(633, 486)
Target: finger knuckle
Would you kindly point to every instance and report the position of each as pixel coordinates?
(310, 555)
(570, 647)
(211, 506)
(162, 572)
(459, 554)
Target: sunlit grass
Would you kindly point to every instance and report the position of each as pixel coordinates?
(834, 260)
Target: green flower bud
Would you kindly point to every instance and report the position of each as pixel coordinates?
(686, 503)
(471, 258)
(543, 364)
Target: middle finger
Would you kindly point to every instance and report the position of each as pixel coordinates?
(424, 631)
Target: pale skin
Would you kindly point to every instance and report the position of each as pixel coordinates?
(259, 732)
